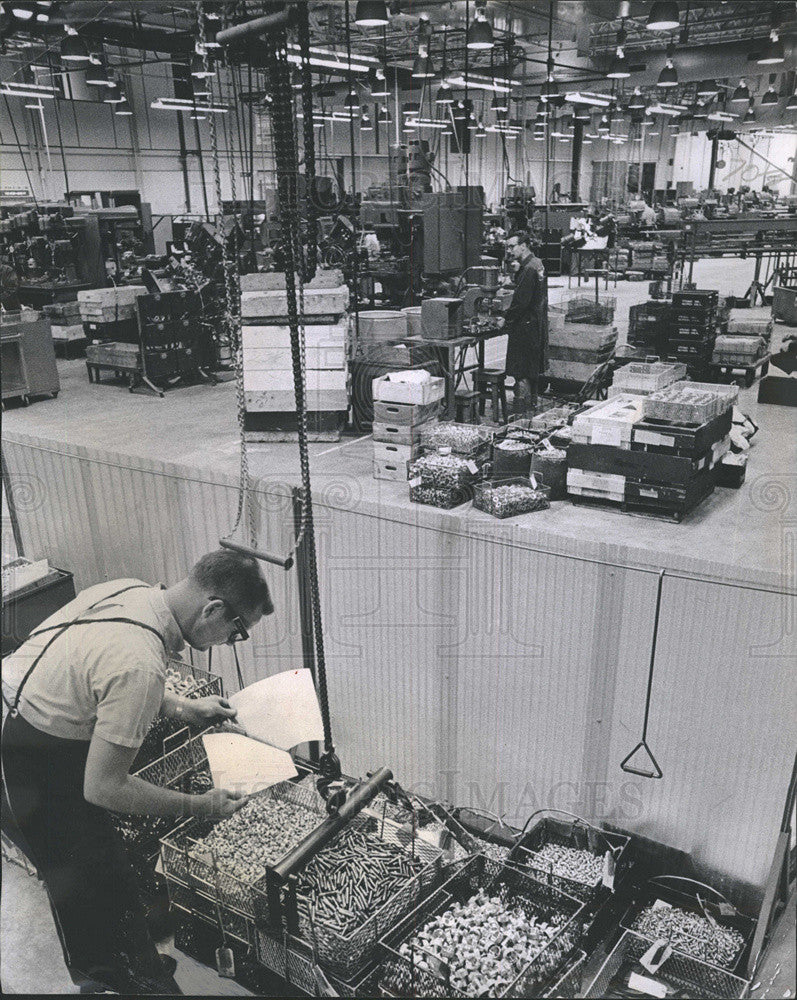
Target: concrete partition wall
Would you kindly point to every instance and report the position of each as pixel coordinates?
(473, 663)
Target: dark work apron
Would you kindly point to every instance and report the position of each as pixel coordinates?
(79, 856)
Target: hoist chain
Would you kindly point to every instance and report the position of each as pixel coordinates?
(232, 295)
(286, 157)
(311, 257)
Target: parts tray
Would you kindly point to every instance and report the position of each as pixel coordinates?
(649, 466)
(649, 893)
(401, 978)
(684, 977)
(686, 438)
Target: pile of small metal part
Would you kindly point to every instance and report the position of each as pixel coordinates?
(349, 880)
(691, 933)
(513, 499)
(568, 862)
(462, 438)
(486, 942)
(435, 497)
(444, 472)
(177, 683)
(258, 835)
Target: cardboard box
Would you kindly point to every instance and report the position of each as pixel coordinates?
(274, 303)
(281, 358)
(315, 381)
(420, 393)
(265, 337)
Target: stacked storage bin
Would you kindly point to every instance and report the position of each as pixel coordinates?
(453, 458)
(656, 453)
(405, 405)
(647, 326)
(267, 361)
(641, 378)
(746, 339)
(692, 329)
(581, 336)
(110, 313)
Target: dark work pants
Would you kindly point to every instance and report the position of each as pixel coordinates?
(78, 854)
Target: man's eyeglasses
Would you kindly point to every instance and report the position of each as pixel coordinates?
(239, 633)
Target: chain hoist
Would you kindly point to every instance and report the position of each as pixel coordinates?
(298, 266)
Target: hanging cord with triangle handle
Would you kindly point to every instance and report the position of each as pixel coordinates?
(643, 743)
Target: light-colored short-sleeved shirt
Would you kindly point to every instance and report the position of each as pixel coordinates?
(109, 678)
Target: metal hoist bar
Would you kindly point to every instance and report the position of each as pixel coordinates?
(246, 550)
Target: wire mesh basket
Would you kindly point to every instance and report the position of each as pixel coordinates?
(403, 976)
(573, 835)
(700, 928)
(680, 975)
(294, 961)
(587, 308)
(568, 985)
(202, 684)
(347, 953)
(233, 924)
(187, 861)
(183, 768)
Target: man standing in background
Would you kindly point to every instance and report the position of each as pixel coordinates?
(526, 322)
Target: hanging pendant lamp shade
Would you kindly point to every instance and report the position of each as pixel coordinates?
(378, 83)
(668, 76)
(707, 88)
(351, 102)
(750, 113)
(791, 104)
(619, 68)
(444, 94)
(771, 96)
(423, 67)
(480, 33)
(663, 16)
(774, 51)
(198, 70)
(481, 131)
(74, 49)
(365, 124)
(384, 116)
(637, 101)
(371, 13)
(741, 94)
(550, 91)
(113, 94)
(97, 75)
(500, 103)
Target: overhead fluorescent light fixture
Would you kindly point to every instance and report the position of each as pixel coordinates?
(181, 104)
(332, 59)
(10, 88)
(667, 109)
(585, 97)
(478, 81)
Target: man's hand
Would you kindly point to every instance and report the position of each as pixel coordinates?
(219, 803)
(204, 711)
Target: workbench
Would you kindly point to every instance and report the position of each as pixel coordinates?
(453, 357)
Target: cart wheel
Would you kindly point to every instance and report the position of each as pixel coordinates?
(749, 379)
(25, 400)
(55, 394)
(764, 368)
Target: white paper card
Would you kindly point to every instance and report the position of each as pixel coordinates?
(649, 437)
(281, 710)
(606, 433)
(244, 765)
(650, 987)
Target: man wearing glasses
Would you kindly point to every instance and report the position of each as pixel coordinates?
(526, 322)
(82, 692)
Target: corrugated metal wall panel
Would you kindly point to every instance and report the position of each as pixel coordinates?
(721, 726)
(104, 517)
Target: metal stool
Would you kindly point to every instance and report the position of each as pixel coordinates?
(467, 407)
(491, 382)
